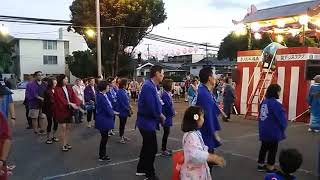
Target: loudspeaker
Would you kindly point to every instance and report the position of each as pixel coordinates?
(312, 69)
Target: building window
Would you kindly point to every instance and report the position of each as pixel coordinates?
(50, 45)
(48, 60)
(194, 67)
(141, 73)
(66, 48)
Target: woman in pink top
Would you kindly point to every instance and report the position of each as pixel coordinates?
(196, 156)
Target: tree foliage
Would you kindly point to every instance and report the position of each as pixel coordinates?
(6, 50)
(232, 43)
(82, 64)
(116, 17)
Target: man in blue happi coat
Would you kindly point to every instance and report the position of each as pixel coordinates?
(206, 101)
(148, 118)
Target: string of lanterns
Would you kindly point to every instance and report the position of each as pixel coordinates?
(171, 52)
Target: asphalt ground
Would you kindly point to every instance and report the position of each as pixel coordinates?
(36, 160)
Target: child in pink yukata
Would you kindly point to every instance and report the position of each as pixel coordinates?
(196, 156)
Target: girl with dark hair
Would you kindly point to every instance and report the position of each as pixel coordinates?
(272, 126)
(124, 108)
(66, 101)
(105, 118)
(169, 112)
(196, 155)
(47, 109)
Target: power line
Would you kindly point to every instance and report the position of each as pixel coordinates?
(182, 41)
(56, 22)
(176, 43)
(33, 19)
(29, 20)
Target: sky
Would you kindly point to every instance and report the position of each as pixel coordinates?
(192, 20)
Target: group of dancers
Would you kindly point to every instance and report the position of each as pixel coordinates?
(60, 104)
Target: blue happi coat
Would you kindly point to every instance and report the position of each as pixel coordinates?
(149, 107)
(314, 103)
(167, 108)
(272, 121)
(278, 176)
(123, 105)
(112, 95)
(211, 124)
(105, 115)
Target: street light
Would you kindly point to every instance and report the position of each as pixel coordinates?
(90, 33)
(4, 30)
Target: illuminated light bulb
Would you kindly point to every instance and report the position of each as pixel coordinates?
(293, 32)
(4, 30)
(255, 27)
(281, 23)
(257, 36)
(90, 33)
(317, 22)
(279, 38)
(303, 20)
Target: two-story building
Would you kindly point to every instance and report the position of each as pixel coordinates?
(46, 55)
(43, 55)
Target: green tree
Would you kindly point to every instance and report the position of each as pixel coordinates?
(230, 45)
(82, 64)
(116, 17)
(6, 50)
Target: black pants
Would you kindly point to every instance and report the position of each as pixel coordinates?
(271, 148)
(27, 116)
(227, 108)
(166, 132)
(123, 122)
(148, 153)
(103, 143)
(51, 120)
(89, 115)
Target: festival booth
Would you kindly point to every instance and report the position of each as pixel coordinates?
(294, 71)
(292, 68)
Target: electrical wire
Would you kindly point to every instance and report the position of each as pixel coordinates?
(56, 22)
(182, 41)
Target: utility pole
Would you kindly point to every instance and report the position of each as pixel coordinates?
(206, 44)
(148, 49)
(98, 38)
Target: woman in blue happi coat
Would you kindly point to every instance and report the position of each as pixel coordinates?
(104, 118)
(169, 112)
(272, 125)
(314, 103)
(112, 95)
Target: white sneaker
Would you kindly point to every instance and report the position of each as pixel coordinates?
(316, 130)
(309, 130)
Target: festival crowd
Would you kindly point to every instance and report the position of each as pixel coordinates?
(104, 101)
